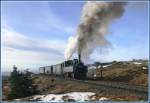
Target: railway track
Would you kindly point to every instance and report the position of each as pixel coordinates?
(114, 85)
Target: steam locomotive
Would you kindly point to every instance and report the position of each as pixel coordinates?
(72, 68)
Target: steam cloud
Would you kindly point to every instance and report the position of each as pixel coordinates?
(93, 28)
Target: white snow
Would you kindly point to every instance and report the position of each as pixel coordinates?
(107, 65)
(104, 66)
(91, 67)
(103, 99)
(17, 99)
(138, 63)
(144, 68)
(75, 96)
(95, 75)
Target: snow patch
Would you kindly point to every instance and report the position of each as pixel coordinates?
(73, 96)
(107, 65)
(137, 63)
(91, 67)
(144, 68)
(103, 99)
(17, 99)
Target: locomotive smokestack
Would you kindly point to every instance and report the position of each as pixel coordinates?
(79, 58)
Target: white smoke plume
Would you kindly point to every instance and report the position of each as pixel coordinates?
(93, 28)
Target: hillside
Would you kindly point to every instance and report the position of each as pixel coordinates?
(135, 73)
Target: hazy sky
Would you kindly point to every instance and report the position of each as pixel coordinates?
(35, 34)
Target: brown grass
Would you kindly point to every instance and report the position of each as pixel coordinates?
(128, 73)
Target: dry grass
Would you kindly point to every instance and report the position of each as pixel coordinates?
(141, 80)
(45, 84)
(61, 86)
(128, 73)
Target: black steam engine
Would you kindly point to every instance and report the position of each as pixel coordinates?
(80, 70)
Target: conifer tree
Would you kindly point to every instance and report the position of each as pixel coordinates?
(20, 84)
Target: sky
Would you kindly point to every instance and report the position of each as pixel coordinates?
(35, 34)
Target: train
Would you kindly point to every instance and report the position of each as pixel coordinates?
(61, 69)
(75, 69)
(68, 69)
